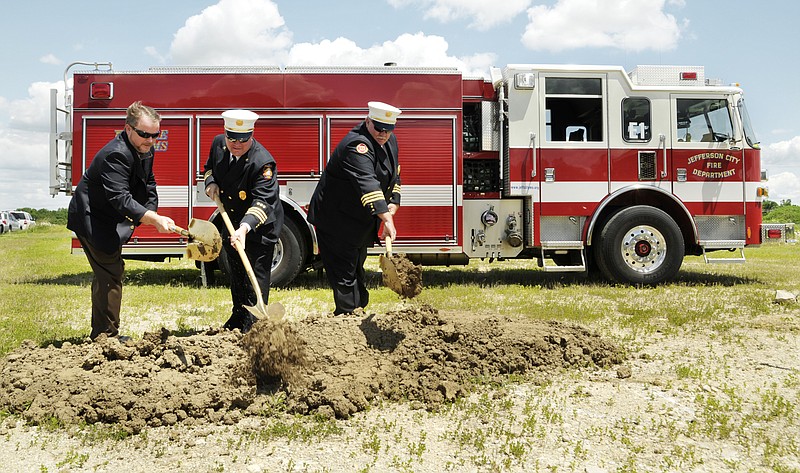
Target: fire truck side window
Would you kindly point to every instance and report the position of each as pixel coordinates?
(574, 109)
(472, 127)
(636, 119)
(704, 120)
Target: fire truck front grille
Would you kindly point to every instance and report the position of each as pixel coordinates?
(647, 165)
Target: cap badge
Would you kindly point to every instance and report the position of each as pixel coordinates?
(239, 122)
(242, 195)
(362, 148)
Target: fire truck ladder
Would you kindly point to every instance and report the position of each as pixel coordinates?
(562, 248)
(731, 245)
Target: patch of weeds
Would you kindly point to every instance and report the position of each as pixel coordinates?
(94, 433)
(688, 372)
(372, 444)
(416, 449)
(299, 428)
(73, 459)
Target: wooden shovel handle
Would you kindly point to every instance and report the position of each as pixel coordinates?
(242, 254)
(179, 231)
(388, 245)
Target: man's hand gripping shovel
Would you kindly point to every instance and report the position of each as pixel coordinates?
(274, 311)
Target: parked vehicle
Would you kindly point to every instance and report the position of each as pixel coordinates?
(5, 224)
(584, 168)
(25, 219)
(11, 220)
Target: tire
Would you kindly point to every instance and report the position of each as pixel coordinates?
(640, 245)
(287, 262)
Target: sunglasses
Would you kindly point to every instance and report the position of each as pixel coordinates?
(238, 140)
(145, 134)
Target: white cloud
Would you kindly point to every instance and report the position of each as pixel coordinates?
(233, 32)
(153, 52)
(781, 153)
(777, 158)
(630, 25)
(214, 37)
(484, 15)
(785, 185)
(33, 112)
(407, 50)
(50, 59)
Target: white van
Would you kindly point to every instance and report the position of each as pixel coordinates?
(26, 221)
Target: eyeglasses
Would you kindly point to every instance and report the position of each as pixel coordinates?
(145, 134)
(379, 128)
(238, 140)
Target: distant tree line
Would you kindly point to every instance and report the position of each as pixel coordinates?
(783, 212)
(55, 217)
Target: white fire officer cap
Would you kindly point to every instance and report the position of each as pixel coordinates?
(383, 115)
(239, 123)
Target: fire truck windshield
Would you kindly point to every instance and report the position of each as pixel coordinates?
(749, 133)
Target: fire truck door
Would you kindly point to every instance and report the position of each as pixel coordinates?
(573, 158)
(707, 171)
(171, 168)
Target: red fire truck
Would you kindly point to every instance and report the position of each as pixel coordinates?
(585, 168)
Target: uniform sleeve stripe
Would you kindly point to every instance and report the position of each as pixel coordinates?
(372, 197)
(257, 213)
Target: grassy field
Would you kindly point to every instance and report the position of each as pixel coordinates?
(45, 292)
(715, 383)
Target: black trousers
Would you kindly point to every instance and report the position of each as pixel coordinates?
(108, 269)
(343, 261)
(242, 292)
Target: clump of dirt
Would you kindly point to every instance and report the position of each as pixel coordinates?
(409, 275)
(334, 366)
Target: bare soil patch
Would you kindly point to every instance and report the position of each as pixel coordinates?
(326, 365)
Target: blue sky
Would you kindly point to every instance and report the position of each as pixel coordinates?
(737, 41)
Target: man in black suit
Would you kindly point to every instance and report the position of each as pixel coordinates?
(115, 195)
(244, 176)
(358, 190)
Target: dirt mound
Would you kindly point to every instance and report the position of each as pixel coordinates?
(323, 364)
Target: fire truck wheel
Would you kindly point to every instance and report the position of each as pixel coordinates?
(640, 245)
(288, 259)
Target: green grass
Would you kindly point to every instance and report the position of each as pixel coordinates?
(45, 292)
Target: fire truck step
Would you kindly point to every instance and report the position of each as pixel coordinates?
(723, 245)
(566, 252)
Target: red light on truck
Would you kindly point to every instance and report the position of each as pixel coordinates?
(775, 234)
(688, 76)
(101, 91)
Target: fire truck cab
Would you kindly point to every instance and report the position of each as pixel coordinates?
(584, 168)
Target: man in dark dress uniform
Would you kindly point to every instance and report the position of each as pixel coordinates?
(115, 195)
(359, 189)
(243, 174)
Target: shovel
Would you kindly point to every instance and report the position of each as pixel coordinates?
(275, 312)
(204, 240)
(389, 276)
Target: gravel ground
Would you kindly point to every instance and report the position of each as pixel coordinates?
(685, 400)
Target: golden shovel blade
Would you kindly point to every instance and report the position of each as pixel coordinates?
(205, 242)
